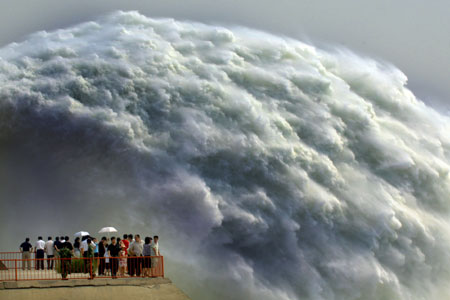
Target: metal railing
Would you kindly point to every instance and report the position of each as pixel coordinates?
(79, 267)
(11, 255)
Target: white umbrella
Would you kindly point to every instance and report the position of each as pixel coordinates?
(81, 234)
(107, 230)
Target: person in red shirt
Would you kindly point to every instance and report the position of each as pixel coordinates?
(126, 243)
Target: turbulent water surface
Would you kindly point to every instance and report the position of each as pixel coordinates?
(270, 169)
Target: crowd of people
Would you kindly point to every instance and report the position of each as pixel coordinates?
(114, 256)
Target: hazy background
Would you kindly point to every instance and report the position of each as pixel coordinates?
(412, 34)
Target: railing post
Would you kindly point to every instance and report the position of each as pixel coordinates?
(162, 261)
(15, 267)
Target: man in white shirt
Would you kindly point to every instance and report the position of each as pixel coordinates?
(84, 252)
(50, 250)
(40, 246)
(135, 253)
(155, 252)
(84, 246)
(155, 246)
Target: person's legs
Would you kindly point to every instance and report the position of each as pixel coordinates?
(69, 265)
(95, 263)
(155, 266)
(27, 262)
(145, 266)
(50, 262)
(57, 264)
(138, 265)
(85, 263)
(40, 259)
(101, 266)
(112, 260)
(131, 266)
(114, 266)
(23, 260)
(65, 267)
(91, 267)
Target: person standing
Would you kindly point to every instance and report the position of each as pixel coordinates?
(40, 250)
(76, 247)
(95, 243)
(90, 257)
(155, 253)
(129, 239)
(84, 252)
(113, 253)
(26, 248)
(50, 251)
(56, 247)
(122, 259)
(147, 252)
(135, 251)
(65, 254)
(101, 256)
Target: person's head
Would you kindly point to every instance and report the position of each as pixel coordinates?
(113, 240)
(39, 237)
(155, 238)
(66, 238)
(89, 241)
(27, 239)
(137, 238)
(148, 240)
(118, 240)
(57, 238)
(95, 240)
(125, 236)
(49, 238)
(77, 239)
(62, 238)
(130, 237)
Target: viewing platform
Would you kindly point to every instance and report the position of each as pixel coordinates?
(82, 279)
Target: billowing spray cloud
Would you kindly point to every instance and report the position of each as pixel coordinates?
(271, 169)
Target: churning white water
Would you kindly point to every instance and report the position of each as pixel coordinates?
(269, 168)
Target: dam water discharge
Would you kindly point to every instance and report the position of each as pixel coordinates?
(271, 169)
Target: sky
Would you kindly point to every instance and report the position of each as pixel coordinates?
(414, 35)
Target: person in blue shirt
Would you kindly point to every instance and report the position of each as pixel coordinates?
(26, 248)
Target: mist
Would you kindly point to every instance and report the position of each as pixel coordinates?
(413, 35)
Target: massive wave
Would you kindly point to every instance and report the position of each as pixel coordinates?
(269, 168)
